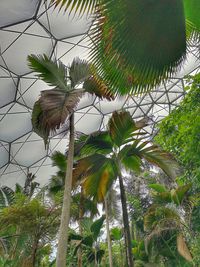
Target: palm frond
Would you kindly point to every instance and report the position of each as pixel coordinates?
(154, 155)
(191, 9)
(97, 142)
(121, 126)
(87, 166)
(37, 123)
(52, 72)
(79, 71)
(129, 160)
(6, 196)
(97, 226)
(59, 160)
(98, 184)
(78, 6)
(52, 110)
(98, 87)
(146, 53)
(96, 173)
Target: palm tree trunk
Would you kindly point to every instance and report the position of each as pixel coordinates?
(127, 234)
(81, 212)
(65, 215)
(108, 233)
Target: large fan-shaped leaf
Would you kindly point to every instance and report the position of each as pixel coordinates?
(130, 162)
(52, 110)
(149, 41)
(52, 72)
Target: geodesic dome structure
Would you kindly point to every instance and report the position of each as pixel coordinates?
(35, 27)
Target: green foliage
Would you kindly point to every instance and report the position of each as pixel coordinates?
(52, 72)
(179, 132)
(98, 171)
(127, 54)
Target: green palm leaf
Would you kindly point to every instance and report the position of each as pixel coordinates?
(147, 53)
(78, 6)
(96, 227)
(191, 8)
(79, 71)
(121, 127)
(155, 156)
(97, 142)
(52, 72)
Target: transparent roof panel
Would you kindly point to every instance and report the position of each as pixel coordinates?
(33, 26)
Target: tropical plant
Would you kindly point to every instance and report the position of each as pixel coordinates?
(88, 240)
(27, 228)
(56, 106)
(179, 132)
(148, 45)
(167, 221)
(106, 153)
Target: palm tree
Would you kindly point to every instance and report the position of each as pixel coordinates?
(167, 216)
(148, 45)
(106, 153)
(80, 205)
(88, 239)
(54, 108)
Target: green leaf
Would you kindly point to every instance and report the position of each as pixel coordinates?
(97, 142)
(191, 9)
(141, 52)
(59, 160)
(79, 71)
(116, 234)
(158, 187)
(179, 193)
(78, 6)
(37, 123)
(96, 227)
(52, 72)
(121, 127)
(130, 162)
(88, 241)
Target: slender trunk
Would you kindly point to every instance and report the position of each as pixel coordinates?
(35, 247)
(108, 233)
(81, 212)
(65, 216)
(127, 234)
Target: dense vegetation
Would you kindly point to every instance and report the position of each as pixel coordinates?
(117, 198)
(163, 212)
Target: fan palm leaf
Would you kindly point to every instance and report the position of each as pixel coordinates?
(148, 45)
